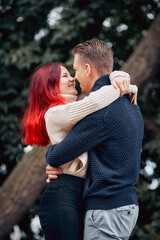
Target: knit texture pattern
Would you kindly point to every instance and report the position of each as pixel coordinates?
(115, 163)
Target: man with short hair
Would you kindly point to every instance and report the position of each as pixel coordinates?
(113, 138)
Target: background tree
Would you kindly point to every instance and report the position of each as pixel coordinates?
(29, 37)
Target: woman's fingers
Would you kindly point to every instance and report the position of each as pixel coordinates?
(134, 99)
(50, 168)
(114, 84)
(53, 173)
(133, 93)
(48, 180)
(52, 176)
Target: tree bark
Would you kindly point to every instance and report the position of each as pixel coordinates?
(144, 62)
(144, 65)
(27, 180)
(21, 189)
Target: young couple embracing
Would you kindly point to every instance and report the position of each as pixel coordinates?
(94, 159)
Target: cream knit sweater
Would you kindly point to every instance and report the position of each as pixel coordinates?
(61, 119)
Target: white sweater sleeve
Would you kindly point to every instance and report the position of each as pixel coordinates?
(92, 103)
(75, 111)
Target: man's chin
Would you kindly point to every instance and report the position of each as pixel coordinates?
(84, 91)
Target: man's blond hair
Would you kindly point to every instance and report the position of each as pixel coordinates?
(97, 53)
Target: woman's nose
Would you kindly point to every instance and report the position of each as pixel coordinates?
(72, 79)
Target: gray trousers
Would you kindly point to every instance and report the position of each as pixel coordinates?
(116, 223)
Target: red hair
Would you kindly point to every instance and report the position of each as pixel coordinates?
(43, 94)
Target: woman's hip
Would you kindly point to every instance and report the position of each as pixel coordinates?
(67, 190)
(62, 205)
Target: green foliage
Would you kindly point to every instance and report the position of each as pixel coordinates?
(19, 53)
(28, 38)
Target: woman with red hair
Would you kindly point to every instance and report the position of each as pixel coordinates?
(51, 113)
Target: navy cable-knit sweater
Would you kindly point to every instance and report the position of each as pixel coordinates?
(113, 138)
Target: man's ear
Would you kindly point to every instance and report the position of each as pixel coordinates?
(88, 69)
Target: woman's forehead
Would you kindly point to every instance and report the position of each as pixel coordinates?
(63, 69)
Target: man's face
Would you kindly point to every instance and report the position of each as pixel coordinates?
(81, 73)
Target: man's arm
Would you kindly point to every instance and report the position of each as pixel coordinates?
(85, 135)
(88, 133)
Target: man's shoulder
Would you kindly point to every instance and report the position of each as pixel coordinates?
(122, 109)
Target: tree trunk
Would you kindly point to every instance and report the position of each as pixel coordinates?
(27, 180)
(21, 188)
(144, 63)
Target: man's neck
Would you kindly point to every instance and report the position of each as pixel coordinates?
(94, 78)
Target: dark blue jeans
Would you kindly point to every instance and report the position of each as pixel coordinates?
(61, 209)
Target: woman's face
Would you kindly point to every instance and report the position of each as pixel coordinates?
(66, 83)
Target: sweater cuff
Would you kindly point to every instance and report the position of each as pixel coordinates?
(115, 74)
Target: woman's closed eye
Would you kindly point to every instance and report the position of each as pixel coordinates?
(64, 75)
